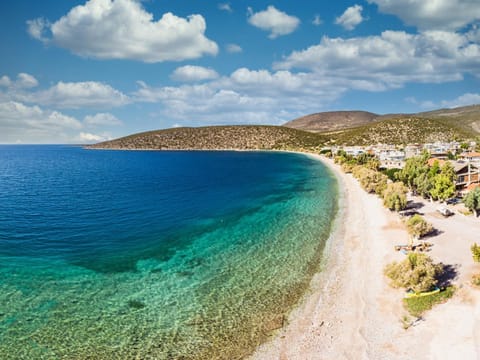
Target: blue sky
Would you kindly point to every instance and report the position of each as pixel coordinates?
(85, 71)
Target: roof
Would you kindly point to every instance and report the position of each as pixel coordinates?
(457, 166)
(470, 154)
(431, 161)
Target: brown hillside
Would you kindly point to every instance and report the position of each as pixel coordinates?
(218, 138)
(332, 121)
(467, 117)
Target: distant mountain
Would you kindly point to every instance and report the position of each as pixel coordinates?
(218, 138)
(332, 121)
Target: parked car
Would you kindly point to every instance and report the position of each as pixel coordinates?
(452, 201)
(445, 211)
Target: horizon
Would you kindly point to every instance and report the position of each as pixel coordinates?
(67, 78)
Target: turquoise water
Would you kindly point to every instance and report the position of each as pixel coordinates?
(161, 255)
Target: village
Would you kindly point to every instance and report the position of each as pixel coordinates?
(462, 156)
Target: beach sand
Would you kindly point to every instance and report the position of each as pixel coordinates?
(350, 311)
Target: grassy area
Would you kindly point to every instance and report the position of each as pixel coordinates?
(418, 305)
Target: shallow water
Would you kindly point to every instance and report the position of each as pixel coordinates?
(162, 255)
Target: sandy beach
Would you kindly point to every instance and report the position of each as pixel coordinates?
(351, 312)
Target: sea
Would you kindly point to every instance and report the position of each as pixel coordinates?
(155, 254)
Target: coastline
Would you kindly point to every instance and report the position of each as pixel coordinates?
(350, 311)
(332, 326)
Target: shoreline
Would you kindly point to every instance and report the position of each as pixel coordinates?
(350, 311)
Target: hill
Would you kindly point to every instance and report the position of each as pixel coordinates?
(332, 120)
(466, 117)
(402, 130)
(218, 138)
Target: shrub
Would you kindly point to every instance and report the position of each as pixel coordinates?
(347, 167)
(476, 280)
(395, 196)
(372, 181)
(475, 252)
(417, 272)
(418, 227)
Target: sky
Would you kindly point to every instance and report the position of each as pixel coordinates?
(85, 71)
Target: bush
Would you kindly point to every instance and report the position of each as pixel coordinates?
(417, 272)
(476, 280)
(475, 252)
(418, 227)
(372, 181)
(395, 196)
(347, 167)
(417, 306)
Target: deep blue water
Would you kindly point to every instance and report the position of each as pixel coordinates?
(150, 242)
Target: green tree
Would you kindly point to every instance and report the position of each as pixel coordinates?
(443, 182)
(391, 173)
(413, 168)
(472, 200)
(418, 227)
(363, 158)
(417, 272)
(395, 196)
(443, 188)
(451, 156)
(424, 183)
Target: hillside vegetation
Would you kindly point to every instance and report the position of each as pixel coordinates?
(339, 127)
(402, 130)
(332, 120)
(466, 117)
(219, 138)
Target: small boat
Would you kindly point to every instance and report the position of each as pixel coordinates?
(412, 294)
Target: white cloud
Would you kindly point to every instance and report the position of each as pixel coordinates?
(5, 81)
(193, 73)
(23, 81)
(391, 59)
(32, 124)
(317, 21)
(424, 105)
(26, 81)
(122, 29)
(225, 7)
(246, 96)
(102, 119)
(85, 137)
(275, 21)
(351, 17)
(74, 95)
(37, 28)
(434, 14)
(234, 48)
(463, 100)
